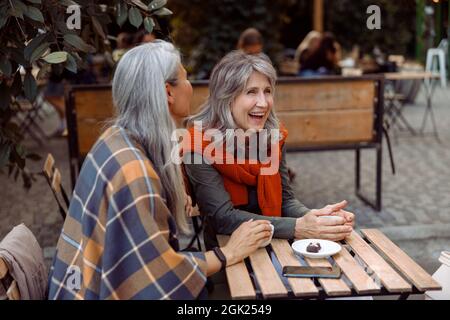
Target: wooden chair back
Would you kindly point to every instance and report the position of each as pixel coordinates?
(53, 177)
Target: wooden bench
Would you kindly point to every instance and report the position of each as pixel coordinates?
(371, 266)
(323, 113)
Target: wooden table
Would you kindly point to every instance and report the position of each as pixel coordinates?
(371, 265)
(429, 86)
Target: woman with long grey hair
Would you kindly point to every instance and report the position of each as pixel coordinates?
(241, 98)
(119, 240)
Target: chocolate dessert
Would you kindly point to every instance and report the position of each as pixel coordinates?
(313, 247)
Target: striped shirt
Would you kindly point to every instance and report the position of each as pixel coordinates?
(119, 240)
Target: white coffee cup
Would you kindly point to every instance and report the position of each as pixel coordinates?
(265, 244)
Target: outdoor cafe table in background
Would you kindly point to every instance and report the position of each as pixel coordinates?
(394, 104)
(371, 265)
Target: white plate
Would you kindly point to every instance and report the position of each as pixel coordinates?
(328, 248)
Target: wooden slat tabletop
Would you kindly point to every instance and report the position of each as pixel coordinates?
(269, 281)
(333, 287)
(239, 282)
(411, 270)
(267, 277)
(362, 283)
(300, 286)
(387, 275)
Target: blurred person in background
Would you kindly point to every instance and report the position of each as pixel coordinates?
(124, 43)
(251, 41)
(143, 36)
(324, 60)
(307, 47)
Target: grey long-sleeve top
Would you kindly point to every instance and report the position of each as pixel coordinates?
(223, 218)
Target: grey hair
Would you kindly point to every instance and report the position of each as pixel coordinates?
(139, 95)
(228, 80)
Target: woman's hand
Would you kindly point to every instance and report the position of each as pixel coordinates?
(311, 226)
(188, 206)
(348, 216)
(246, 239)
(337, 209)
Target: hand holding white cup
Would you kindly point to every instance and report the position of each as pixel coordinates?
(265, 244)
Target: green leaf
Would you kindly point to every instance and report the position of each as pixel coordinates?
(35, 14)
(157, 4)
(3, 20)
(5, 151)
(39, 51)
(163, 12)
(30, 87)
(71, 64)
(35, 1)
(17, 153)
(5, 97)
(98, 27)
(19, 5)
(18, 8)
(149, 24)
(20, 150)
(56, 57)
(67, 3)
(77, 42)
(5, 66)
(122, 13)
(135, 17)
(140, 4)
(33, 44)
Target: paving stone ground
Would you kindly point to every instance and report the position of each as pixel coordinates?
(416, 201)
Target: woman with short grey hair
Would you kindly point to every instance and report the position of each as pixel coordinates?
(119, 240)
(241, 98)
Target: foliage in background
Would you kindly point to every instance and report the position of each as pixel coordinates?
(207, 30)
(347, 20)
(34, 34)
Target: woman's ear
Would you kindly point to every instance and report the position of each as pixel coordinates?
(169, 92)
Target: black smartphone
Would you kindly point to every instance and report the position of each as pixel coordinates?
(312, 272)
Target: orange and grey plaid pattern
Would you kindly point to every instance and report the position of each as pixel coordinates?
(119, 240)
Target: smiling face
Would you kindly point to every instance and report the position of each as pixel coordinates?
(251, 108)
